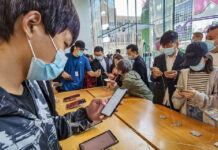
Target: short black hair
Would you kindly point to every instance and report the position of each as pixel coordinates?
(212, 28)
(57, 16)
(133, 47)
(98, 49)
(169, 36)
(118, 51)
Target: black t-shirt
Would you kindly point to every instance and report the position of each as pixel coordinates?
(25, 101)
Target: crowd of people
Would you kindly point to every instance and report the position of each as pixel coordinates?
(33, 38)
(195, 71)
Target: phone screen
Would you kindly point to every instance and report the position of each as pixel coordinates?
(100, 142)
(114, 102)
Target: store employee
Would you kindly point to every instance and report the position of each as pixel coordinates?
(77, 64)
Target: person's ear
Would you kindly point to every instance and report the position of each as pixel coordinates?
(31, 20)
(177, 44)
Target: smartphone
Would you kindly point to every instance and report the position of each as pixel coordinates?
(170, 72)
(114, 102)
(70, 78)
(180, 87)
(71, 98)
(100, 142)
(75, 104)
(108, 80)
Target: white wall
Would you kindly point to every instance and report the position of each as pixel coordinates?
(84, 10)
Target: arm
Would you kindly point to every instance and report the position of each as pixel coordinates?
(177, 99)
(153, 79)
(71, 123)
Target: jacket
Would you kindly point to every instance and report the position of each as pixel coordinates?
(201, 100)
(22, 130)
(162, 83)
(96, 65)
(140, 67)
(135, 85)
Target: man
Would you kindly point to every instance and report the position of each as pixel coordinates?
(118, 51)
(212, 43)
(139, 64)
(76, 67)
(197, 37)
(101, 63)
(32, 39)
(166, 68)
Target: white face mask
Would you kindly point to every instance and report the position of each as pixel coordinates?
(39, 70)
(199, 67)
(99, 57)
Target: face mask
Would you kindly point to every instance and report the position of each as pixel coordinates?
(199, 67)
(40, 70)
(80, 53)
(130, 57)
(99, 57)
(192, 41)
(168, 51)
(210, 45)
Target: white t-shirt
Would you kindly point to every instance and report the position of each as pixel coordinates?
(215, 59)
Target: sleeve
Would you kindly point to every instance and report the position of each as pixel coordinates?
(178, 101)
(155, 65)
(88, 66)
(72, 123)
(204, 101)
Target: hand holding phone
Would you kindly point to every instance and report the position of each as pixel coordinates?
(180, 88)
(113, 103)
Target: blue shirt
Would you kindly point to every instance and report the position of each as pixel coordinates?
(76, 67)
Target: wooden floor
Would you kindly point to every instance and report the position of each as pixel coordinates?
(138, 125)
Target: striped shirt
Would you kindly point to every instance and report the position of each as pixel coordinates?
(198, 81)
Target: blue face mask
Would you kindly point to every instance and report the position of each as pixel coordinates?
(199, 67)
(168, 51)
(40, 70)
(210, 45)
(80, 53)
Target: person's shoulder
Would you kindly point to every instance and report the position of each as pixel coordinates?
(68, 55)
(159, 57)
(84, 58)
(181, 54)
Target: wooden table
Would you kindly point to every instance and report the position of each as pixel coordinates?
(128, 139)
(100, 92)
(143, 117)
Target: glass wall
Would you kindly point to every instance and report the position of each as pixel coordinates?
(117, 23)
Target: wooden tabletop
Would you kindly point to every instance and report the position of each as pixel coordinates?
(128, 139)
(143, 117)
(100, 92)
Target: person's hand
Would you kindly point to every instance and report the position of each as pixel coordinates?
(97, 73)
(111, 76)
(111, 84)
(171, 75)
(215, 50)
(66, 76)
(94, 109)
(187, 93)
(156, 72)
